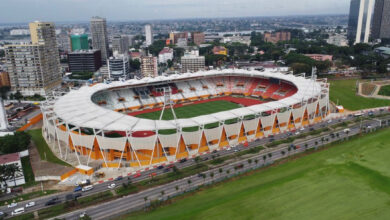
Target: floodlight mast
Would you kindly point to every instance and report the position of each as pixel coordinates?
(168, 102)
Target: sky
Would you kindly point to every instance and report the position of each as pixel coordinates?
(132, 10)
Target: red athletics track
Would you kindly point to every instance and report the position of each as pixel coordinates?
(242, 101)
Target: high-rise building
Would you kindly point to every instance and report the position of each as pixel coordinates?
(118, 66)
(120, 43)
(4, 79)
(192, 62)
(79, 42)
(359, 23)
(35, 68)
(176, 37)
(197, 38)
(81, 61)
(99, 36)
(381, 20)
(149, 66)
(148, 34)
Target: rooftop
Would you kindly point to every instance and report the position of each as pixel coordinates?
(8, 158)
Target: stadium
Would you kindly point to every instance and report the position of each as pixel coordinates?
(141, 123)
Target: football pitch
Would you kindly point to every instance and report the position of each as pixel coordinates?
(192, 110)
(350, 180)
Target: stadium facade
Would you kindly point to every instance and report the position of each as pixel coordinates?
(93, 125)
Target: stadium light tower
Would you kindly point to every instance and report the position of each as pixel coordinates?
(168, 102)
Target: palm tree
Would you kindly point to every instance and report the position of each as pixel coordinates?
(256, 161)
(197, 160)
(283, 152)
(227, 172)
(13, 170)
(189, 182)
(220, 170)
(162, 193)
(177, 188)
(264, 157)
(270, 155)
(250, 161)
(145, 199)
(306, 146)
(212, 175)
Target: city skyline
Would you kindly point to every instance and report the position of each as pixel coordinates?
(127, 10)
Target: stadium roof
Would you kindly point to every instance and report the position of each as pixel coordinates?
(78, 109)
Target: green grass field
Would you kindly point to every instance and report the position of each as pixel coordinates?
(193, 110)
(385, 90)
(43, 148)
(345, 92)
(350, 180)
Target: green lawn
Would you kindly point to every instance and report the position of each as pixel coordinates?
(385, 90)
(347, 181)
(43, 148)
(345, 92)
(28, 172)
(193, 110)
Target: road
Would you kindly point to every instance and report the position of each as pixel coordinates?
(135, 201)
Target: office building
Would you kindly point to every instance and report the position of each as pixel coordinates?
(192, 62)
(381, 20)
(99, 36)
(165, 54)
(118, 66)
(82, 61)
(178, 37)
(148, 34)
(277, 36)
(359, 23)
(120, 43)
(35, 68)
(4, 79)
(79, 42)
(197, 38)
(149, 66)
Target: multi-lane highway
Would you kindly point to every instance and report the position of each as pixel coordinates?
(135, 201)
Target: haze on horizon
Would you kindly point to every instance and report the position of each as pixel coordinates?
(15, 11)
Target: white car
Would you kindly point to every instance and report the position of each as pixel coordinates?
(87, 188)
(12, 205)
(297, 133)
(111, 186)
(17, 211)
(83, 214)
(30, 204)
(302, 129)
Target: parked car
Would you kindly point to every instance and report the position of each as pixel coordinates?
(160, 167)
(52, 201)
(166, 170)
(14, 204)
(111, 186)
(30, 204)
(137, 175)
(183, 160)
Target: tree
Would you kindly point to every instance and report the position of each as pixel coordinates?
(14, 143)
(18, 96)
(11, 171)
(3, 91)
(256, 161)
(197, 160)
(220, 170)
(156, 47)
(177, 188)
(135, 64)
(264, 157)
(189, 182)
(250, 161)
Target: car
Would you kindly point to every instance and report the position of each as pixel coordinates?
(311, 129)
(206, 158)
(297, 133)
(166, 170)
(160, 167)
(330, 121)
(229, 149)
(111, 186)
(50, 202)
(14, 204)
(119, 178)
(79, 188)
(87, 188)
(302, 129)
(347, 130)
(171, 166)
(371, 113)
(17, 211)
(2, 214)
(183, 160)
(215, 151)
(236, 150)
(137, 175)
(30, 204)
(83, 214)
